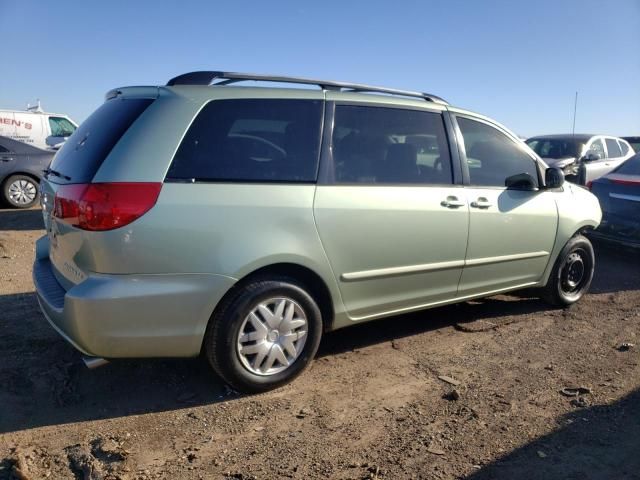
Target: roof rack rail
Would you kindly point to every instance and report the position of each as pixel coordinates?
(226, 78)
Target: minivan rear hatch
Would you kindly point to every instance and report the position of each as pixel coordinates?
(72, 170)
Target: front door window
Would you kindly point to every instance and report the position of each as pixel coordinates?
(492, 157)
(598, 148)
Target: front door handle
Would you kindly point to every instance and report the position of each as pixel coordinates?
(6, 159)
(452, 202)
(481, 203)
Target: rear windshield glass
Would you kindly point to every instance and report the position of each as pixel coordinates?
(631, 166)
(84, 151)
(251, 140)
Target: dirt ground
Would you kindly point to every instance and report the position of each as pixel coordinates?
(372, 405)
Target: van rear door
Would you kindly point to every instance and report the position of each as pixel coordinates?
(73, 168)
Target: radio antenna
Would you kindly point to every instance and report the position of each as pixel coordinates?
(575, 109)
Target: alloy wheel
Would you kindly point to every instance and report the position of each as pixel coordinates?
(22, 192)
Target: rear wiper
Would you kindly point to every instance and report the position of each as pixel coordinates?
(55, 173)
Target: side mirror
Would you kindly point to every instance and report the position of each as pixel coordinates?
(591, 157)
(55, 139)
(521, 181)
(553, 177)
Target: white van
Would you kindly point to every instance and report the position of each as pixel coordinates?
(34, 127)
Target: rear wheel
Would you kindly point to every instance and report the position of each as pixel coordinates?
(572, 273)
(20, 191)
(263, 335)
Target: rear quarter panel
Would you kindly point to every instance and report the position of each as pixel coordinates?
(218, 228)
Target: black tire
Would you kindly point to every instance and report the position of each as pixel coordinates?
(25, 180)
(221, 339)
(572, 273)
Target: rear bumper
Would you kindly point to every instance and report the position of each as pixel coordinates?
(618, 229)
(119, 316)
(615, 239)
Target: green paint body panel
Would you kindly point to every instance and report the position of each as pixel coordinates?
(366, 228)
(517, 223)
(149, 288)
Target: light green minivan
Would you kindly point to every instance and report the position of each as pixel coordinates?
(243, 222)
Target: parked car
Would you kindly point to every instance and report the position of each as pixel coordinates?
(36, 127)
(634, 142)
(21, 168)
(619, 196)
(245, 222)
(581, 157)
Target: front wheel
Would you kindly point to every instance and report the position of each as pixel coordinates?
(263, 335)
(572, 273)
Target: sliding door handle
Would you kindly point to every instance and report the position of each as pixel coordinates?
(481, 203)
(452, 202)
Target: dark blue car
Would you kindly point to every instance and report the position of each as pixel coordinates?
(619, 196)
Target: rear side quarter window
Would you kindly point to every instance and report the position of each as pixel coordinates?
(624, 147)
(251, 140)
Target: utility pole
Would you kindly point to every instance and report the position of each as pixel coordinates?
(575, 108)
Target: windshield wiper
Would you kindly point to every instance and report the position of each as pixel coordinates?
(55, 173)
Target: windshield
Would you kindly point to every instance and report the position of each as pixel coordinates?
(556, 147)
(61, 127)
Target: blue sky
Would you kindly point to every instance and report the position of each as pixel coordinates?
(518, 62)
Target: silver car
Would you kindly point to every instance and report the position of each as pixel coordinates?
(582, 158)
(206, 216)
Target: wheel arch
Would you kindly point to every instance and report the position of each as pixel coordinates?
(20, 172)
(303, 275)
(580, 228)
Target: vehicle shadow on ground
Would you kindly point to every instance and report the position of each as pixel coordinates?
(393, 328)
(600, 442)
(43, 381)
(21, 219)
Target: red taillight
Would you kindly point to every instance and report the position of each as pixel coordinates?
(104, 206)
